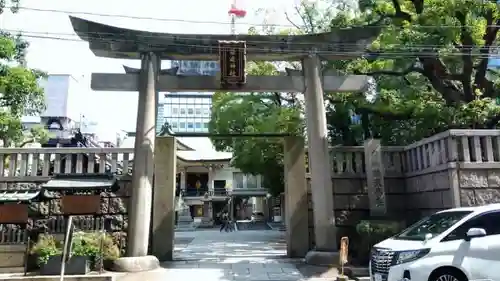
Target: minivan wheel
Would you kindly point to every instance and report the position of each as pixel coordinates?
(448, 275)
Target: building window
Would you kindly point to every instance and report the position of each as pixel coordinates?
(198, 125)
(175, 111)
(190, 111)
(198, 111)
(205, 125)
(238, 180)
(174, 124)
(206, 111)
(251, 181)
(182, 125)
(190, 125)
(183, 111)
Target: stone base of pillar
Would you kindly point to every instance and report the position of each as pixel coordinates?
(136, 264)
(206, 223)
(324, 258)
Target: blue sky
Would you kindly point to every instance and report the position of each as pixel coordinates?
(67, 57)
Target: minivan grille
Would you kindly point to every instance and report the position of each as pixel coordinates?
(381, 260)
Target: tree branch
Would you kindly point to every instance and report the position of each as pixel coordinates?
(465, 48)
(291, 22)
(489, 37)
(391, 72)
(399, 12)
(26, 142)
(418, 5)
(440, 78)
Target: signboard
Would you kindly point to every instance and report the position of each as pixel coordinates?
(375, 177)
(14, 213)
(81, 204)
(232, 56)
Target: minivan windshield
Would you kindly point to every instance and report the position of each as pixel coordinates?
(434, 225)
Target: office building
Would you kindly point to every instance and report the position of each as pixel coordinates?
(187, 111)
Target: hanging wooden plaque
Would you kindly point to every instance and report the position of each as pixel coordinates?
(14, 213)
(232, 56)
(81, 204)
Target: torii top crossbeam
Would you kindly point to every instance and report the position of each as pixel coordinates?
(122, 43)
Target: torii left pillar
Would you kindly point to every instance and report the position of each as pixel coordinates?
(142, 175)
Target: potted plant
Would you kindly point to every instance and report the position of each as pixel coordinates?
(98, 247)
(86, 253)
(46, 247)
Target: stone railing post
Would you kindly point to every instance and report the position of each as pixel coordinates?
(296, 198)
(164, 198)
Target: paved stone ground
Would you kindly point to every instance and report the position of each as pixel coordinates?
(232, 256)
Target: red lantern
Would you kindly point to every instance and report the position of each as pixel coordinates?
(237, 12)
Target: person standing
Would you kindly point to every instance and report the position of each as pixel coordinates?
(225, 220)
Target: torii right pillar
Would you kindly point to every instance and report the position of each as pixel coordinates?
(325, 234)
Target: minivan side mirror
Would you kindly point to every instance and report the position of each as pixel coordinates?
(475, 232)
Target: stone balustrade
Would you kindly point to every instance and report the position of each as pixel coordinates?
(32, 164)
(469, 147)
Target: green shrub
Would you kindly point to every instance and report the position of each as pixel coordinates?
(372, 232)
(87, 244)
(45, 247)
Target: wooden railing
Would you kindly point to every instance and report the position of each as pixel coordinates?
(32, 164)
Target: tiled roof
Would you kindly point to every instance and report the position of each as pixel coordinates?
(18, 195)
(80, 181)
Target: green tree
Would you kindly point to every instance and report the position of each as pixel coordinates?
(429, 66)
(20, 93)
(258, 113)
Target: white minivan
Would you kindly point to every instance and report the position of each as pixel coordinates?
(461, 244)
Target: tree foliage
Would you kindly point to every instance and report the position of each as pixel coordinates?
(430, 66)
(20, 93)
(259, 113)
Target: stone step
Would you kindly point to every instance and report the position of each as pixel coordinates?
(242, 226)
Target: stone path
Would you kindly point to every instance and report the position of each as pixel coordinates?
(231, 256)
(242, 255)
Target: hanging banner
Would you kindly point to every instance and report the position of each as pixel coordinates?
(232, 56)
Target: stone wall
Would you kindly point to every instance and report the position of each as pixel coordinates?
(479, 186)
(427, 193)
(451, 169)
(46, 216)
(351, 203)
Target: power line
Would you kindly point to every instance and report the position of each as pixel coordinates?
(146, 18)
(354, 46)
(214, 22)
(380, 53)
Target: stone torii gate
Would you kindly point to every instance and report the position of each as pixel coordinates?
(151, 48)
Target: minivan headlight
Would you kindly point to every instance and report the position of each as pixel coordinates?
(408, 256)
